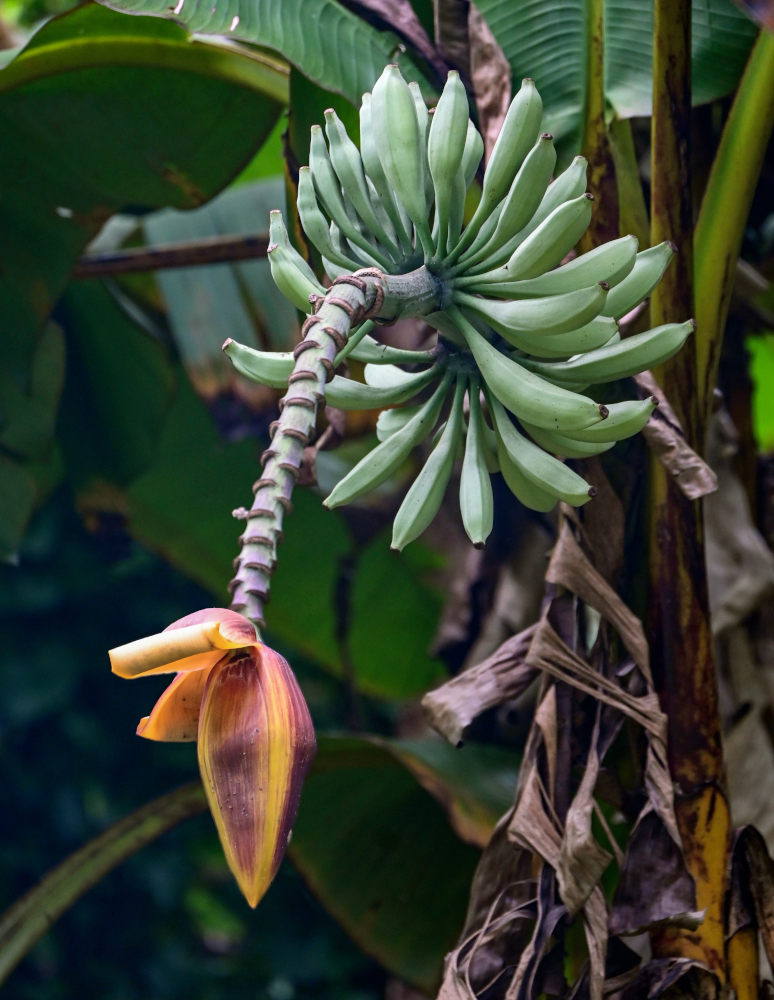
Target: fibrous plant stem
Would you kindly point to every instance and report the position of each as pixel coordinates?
(350, 300)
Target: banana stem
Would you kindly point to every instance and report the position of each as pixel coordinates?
(350, 300)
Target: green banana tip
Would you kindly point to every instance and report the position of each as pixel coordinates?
(227, 343)
(603, 410)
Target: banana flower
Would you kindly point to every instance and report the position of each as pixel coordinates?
(242, 704)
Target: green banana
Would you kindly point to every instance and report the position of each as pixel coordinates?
(375, 172)
(272, 368)
(348, 394)
(476, 501)
(380, 463)
(400, 147)
(370, 350)
(517, 136)
(536, 465)
(346, 162)
(610, 262)
(445, 148)
(291, 273)
(423, 122)
(471, 154)
(390, 421)
(525, 194)
(471, 157)
(618, 360)
(545, 246)
(526, 395)
(553, 314)
(560, 444)
(316, 225)
(326, 184)
(598, 332)
(570, 184)
(623, 420)
(648, 269)
(424, 496)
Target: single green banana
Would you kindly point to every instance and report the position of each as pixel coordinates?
(618, 360)
(386, 376)
(384, 220)
(611, 262)
(380, 463)
(541, 469)
(401, 149)
(476, 501)
(598, 332)
(346, 162)
(359, 251)
(545, 246)
(525, 194)
(472, 153)
(570, 184)
(560, 444)
(424, 496)
(445, 149)
(330, 193)
(371, 350)
(389, 422)
(315, 225)
(471, 157)
(423, 122)
(524, 394)
(348, 394)
(518, 134)
(272, 368)
(553, 314)
(624, 420)
(375, 171)
(648, 270)
(291, 273)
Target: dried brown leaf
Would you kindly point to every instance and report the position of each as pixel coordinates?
(740, 565)
(450, 708)
(490, 75)
(549, 653)
(570, 568)
(655, 888)
(666, 438)
(399, 17)
(752, 863)
(581, 859)
(677, 978)
(451, 34)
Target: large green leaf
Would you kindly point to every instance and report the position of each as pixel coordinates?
(205, 305)
(101, 112)
(549, 42)
(378, 851)
(393, 617)
(327, 42)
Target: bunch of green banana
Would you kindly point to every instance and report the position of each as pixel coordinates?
(521, 332)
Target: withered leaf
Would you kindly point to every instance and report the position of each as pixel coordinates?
(570, 568)
(452, 707)
(655, 887)
(666, 438)
(490, 75)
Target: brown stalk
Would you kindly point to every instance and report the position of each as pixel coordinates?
(679, 624)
